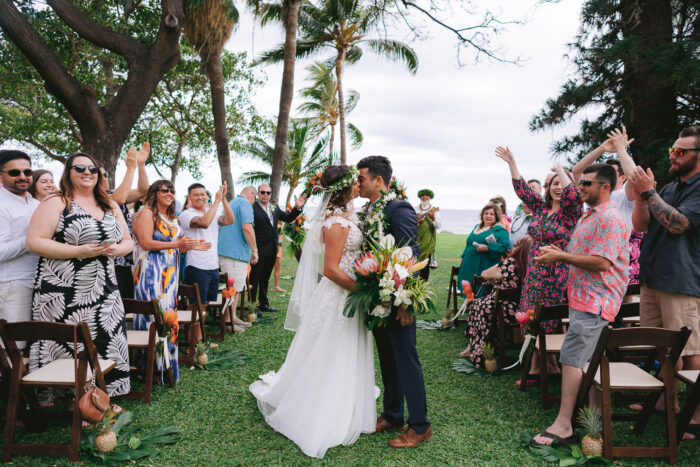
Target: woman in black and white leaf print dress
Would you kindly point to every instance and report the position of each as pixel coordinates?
(77, 234)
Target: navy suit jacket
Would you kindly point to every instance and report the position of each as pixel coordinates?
(402, 223)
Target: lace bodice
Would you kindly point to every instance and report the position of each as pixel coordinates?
(353, 244)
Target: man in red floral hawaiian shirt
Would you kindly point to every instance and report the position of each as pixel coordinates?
(598, 260)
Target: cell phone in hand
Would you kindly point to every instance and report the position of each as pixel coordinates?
(490, 239)
(108, 242)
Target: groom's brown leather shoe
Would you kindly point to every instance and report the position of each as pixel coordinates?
(410, 439)
(383, 425)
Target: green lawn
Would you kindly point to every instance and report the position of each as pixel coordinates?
(476, 420)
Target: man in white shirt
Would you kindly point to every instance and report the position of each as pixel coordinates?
(17, 265)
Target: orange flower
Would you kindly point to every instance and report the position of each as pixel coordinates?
(297, 229)
(170, 321)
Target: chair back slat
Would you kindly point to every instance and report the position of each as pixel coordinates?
(558, 311)
(661, 338)
(511, 294)
(39, 330)
(143, 307)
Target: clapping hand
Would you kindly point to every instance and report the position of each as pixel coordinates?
(619, 140)
(221, 192)
(549, 254)
(642, 181)
(202, 245)
(142, 154)
(131, 160)
(505, 154)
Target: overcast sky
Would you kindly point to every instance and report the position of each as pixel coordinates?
(440, 127)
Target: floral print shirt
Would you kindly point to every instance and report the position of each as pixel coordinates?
(601, 232)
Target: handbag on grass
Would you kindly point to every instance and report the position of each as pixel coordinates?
(95, 402)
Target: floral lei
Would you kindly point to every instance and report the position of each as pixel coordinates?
(374, 220)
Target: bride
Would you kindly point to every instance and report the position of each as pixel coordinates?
(323, 395)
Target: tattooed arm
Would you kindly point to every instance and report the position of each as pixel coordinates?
(669, 217)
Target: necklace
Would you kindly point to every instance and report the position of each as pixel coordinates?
(373, 217)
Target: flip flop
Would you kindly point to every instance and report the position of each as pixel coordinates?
(528, 382)
(560, 441)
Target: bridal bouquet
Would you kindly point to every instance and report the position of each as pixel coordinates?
(384, 280)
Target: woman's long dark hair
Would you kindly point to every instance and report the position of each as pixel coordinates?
(67, 187)
(35, 179)
(332, 174)
(520, 254)
(152, 199)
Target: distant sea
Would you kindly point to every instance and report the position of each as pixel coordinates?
(458, 221)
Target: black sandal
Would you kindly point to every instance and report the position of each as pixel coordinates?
(560, 441)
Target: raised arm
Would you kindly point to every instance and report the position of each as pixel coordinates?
(295, 212)
(227, 218)
(142, 186)
(591, 157)
(669, 217)
(203, 222)
(121, 194)
(505, 154)
(621, 142)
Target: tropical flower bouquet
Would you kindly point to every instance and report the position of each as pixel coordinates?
(295, 233)
(469, 298)
(399, 188)
(384, 280)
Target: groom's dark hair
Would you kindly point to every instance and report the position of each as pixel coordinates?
(377, 166)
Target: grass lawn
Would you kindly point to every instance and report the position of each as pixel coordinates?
(476, 420)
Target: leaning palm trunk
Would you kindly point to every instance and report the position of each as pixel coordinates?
(218, 107)
(330, 144)
(291, 23)
(339, 63)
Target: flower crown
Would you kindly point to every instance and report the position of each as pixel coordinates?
(345, 182)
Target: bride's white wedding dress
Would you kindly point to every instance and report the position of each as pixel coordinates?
(324, 393)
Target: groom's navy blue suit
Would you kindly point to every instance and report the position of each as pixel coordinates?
(396, 345)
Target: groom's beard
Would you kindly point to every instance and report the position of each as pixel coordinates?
(424, 206)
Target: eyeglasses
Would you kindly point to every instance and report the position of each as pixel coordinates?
(680, 152)
(166, 189)
(265, 192)
(105, 174)
(587, 183)
(16, 172)
(80, 168)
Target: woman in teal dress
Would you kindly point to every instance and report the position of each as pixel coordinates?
(156, 257)
(487, 243)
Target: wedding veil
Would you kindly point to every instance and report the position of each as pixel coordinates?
(309, 270)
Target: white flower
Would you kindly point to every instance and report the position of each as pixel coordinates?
(380, 311)
(385, 293)
(401, 271)
(387, 241)
(389, 197)
(403, 254)
(403, 296)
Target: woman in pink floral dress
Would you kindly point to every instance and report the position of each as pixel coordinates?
(553, 222)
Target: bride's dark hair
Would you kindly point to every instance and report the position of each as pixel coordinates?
(331, 175)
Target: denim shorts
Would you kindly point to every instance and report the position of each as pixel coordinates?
(581, 338)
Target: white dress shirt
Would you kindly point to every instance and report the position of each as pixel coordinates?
(16, 263)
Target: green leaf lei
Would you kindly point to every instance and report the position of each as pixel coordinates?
(374, 221)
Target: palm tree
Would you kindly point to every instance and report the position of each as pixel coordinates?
(302, 161)
(321, 104)
(343, 25)
(287, 11)
(208, 25)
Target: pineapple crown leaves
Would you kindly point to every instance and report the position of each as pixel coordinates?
(590, 420)
(488, 351)
(105, 425)
(201, 348)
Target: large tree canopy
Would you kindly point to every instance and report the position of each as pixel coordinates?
(636, 63)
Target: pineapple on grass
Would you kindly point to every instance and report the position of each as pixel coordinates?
(592, 443)
(201, 352)
(490, 363)
(106, 439)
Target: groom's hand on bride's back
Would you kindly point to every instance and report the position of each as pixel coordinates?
(404, 317)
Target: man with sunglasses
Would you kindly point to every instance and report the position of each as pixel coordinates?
(266, 237)
(670, 260)
(17, 265)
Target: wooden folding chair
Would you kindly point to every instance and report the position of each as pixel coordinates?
(146, 341)
(219, 314)
(608, 376)
(453, 290)
(506, 294)
(247, 293)
(691, 378)
(61, 373)
(545, 344)
(190, 316)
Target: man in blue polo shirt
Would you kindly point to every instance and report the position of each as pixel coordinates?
(237, 248)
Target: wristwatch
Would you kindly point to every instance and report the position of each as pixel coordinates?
(645, 195)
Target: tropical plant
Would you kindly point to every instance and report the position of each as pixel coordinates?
(321, 104)
(208, 25)
(343, 25)
(306, 157)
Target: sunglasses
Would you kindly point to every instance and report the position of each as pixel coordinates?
(16, 172)
(80, 168)
(265, 192)
(588, 183)
(680, 152)
(166, 189)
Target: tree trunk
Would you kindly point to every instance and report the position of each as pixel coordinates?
(649, 104)
(289, 195)
(330, 144)
(218, 107)
(176, 164)
(105, 150)
(291, 23)
(339, 63)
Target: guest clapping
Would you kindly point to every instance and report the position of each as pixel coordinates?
(485, 244)
(77, 235)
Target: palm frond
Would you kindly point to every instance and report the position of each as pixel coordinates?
(269, 13)
(271, 56)
(354, 54)
(254, 177)
(356, 137)
(351, 99)
(260, 150)
(395, 50)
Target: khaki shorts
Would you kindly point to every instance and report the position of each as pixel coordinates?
(661, 309)
(235, 268)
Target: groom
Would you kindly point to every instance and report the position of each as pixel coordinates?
(402, 374)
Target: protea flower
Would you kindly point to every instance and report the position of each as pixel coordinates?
(522, 318)
(366, 264)
(229, 281)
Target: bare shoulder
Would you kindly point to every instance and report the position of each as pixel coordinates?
(51, 203)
